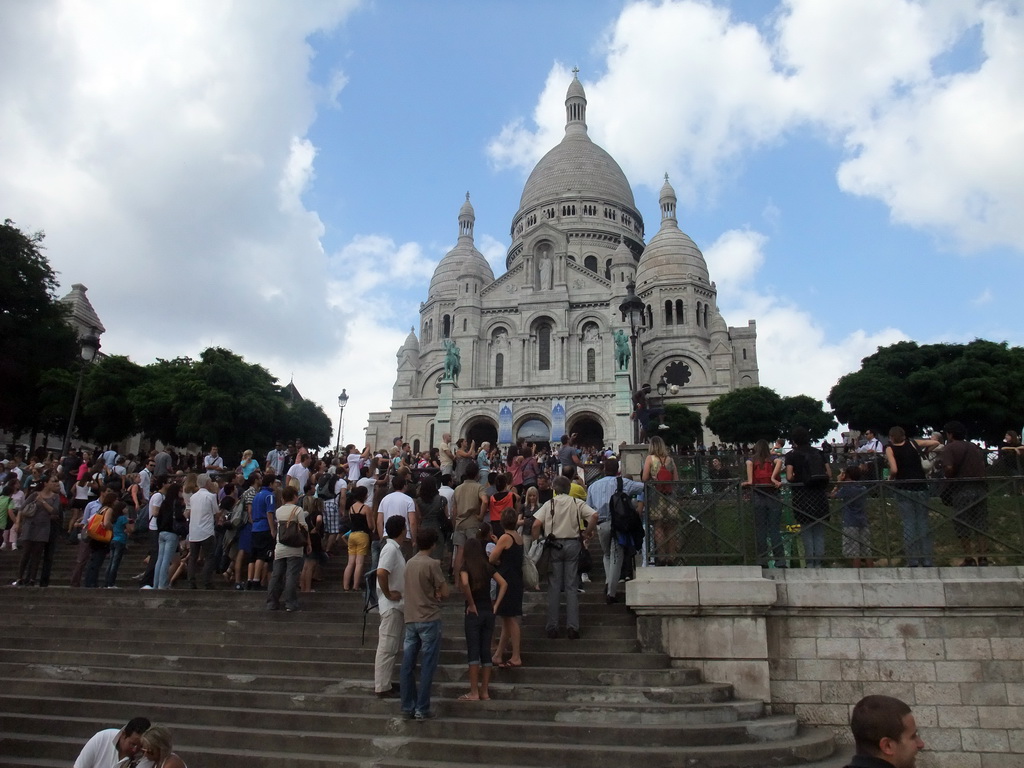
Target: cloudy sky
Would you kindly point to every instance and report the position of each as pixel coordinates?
(281, 178)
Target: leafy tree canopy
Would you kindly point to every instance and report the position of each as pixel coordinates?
(754, 413)
(922, 387)
(34, 332)
(746, 415)
(683, 426)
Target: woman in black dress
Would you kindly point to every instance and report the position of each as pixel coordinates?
(508, 556)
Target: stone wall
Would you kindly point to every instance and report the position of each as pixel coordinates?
(948, 641)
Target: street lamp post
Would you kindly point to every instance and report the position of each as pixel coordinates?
(633, 309)
(90, 346)
(342, 402)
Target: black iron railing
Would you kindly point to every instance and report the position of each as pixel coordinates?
(704, 521)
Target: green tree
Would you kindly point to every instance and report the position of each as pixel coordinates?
(307, 420)
(222, 400)
(746, 415)
(106, 415)
(34, 331)
(921, 387)
(684, 426)
(806, 411)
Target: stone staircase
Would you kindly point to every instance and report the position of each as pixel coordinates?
(240, 686)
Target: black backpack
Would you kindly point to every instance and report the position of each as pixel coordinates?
(814, 473)
(325, 486)
(625, 520)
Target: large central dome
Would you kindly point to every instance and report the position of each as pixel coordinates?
(576, 166)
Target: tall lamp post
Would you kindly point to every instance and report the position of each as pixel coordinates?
(342, 402)
(633, 309)
(90, 346)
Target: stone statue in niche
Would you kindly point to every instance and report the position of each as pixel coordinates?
(621, 351)
(544, 268)
(590, 333)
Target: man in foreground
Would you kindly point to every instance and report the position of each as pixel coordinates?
(115, 747)
(425, 588)
(885, 733)
(390, 588)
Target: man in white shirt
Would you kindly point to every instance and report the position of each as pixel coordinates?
(275, 459)
(396, 503)
(446, 455)
(367, 482)
(213, 461)
(115, 748)
(390, 586)
(298, 473)
(201, 530)
(355, 462)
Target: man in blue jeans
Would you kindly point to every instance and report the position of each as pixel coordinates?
(425, 588)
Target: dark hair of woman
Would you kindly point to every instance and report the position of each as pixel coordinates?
(762, 453)
(428, 489)
(475, 564)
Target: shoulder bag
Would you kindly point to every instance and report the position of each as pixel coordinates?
(291, 532)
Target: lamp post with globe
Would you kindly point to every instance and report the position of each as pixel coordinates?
(90, 347)
(342, 402)
(633, 310)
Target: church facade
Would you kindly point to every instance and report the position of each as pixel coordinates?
(536, 345)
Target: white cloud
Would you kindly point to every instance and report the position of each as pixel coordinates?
(793, 353)
(983, 298)
(162, 148)
(689, 89)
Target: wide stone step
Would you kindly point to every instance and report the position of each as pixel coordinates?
(411, 740)
(349, 696)
(326, 669)
(373, 726)
(218, 643)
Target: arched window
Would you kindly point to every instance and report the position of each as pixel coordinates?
(465, 321)
(446, 326)
(591, 365)
(650, 316)
(499, 369)
(744, 354)
(705, 315)
(544, 347)
(680, 311)
(668, 312)
(591, 263)
(608, 270)
(416, 445)
(698, 314)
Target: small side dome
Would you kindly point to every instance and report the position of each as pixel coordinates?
(411, 342)
(464, 260)
(671, 256)
(718, 325)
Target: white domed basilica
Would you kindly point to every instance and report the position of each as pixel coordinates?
(532, 353)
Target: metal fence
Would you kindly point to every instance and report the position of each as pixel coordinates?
(704, 521)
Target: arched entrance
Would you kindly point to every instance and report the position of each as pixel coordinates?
(589, 432)
(481, 431)
(534, 430)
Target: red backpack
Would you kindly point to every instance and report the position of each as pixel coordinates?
(763, 472)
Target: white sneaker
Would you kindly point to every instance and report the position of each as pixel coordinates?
(585, 577)
(14, 545)
(145, 586)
